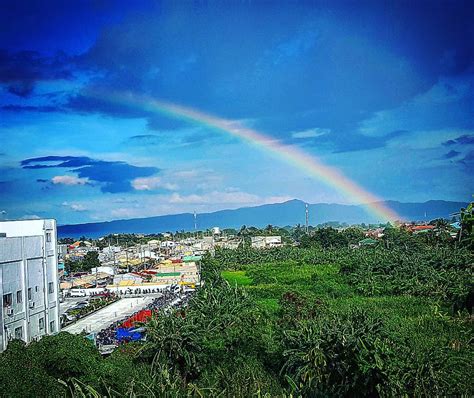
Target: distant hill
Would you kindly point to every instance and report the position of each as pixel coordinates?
(281, 214)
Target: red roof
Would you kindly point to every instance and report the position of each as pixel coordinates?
(422, 227)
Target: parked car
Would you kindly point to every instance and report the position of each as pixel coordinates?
(79, 306)
(65, 318)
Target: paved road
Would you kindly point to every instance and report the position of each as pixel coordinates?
(69, 303)
(101, 319)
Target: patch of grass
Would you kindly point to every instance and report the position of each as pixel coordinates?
(269, 304)
(238, 278)
(321, 280)
(267, 290)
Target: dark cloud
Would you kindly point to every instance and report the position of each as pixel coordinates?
(469, 158)
(282, 66)
(96, 103)
(198, 138)
(451, 154)
(56, 161)
(19, 71)
(30, 108)
(468, 162)
(466, 140)
(59, 26)
(112, 176)
(22, 89)
(461, 140)
(109, 102)
(145, 139)
(353, 142)
(116, 176)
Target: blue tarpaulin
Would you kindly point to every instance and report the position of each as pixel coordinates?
(128, 334)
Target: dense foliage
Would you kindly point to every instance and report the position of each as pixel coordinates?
(89, 261)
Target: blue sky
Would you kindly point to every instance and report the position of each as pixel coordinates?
(383, 91)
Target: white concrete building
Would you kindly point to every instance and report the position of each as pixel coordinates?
(261, 242)
(28, 280)
(103, 269)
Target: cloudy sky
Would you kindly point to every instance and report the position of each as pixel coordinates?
(383, 91)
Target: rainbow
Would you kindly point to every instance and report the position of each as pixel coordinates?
(311, 165)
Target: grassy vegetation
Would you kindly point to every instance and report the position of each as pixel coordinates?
(237, 278)
(419, 345)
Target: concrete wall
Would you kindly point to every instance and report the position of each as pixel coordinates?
(28, 271)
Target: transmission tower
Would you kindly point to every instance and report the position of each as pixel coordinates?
(306, 218)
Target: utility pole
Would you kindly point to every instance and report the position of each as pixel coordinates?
(149, 252)
(126, 256)
(306, 218)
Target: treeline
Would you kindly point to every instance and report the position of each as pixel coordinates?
(89, 261)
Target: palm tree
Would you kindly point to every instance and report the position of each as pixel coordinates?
(269, 228)
(243, 231)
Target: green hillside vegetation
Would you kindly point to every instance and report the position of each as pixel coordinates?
(386, 315)
(320, 320)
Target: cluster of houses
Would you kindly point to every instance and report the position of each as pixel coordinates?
(157, 262)
(142, 265)
(169, 261)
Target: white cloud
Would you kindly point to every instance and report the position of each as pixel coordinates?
(310, 133)
(30, 217)
(152, 184)
(123, 212)
(75, 206)
(200, 178)
(232, 197)
(186, 174)
(69, 180)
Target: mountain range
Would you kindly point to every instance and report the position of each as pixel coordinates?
(291, 212)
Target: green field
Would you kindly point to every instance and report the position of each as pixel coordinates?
(238, 278)
(413, 336)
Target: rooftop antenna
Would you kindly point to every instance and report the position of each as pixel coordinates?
(195, 221)
(306, 218)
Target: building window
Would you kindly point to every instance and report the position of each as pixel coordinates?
(19, 296)
(51, 327)
(7, 300)
(19, 332)
(50, 287)
(48, 236)
(36, 289)
(41, 323)
(29, 293)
